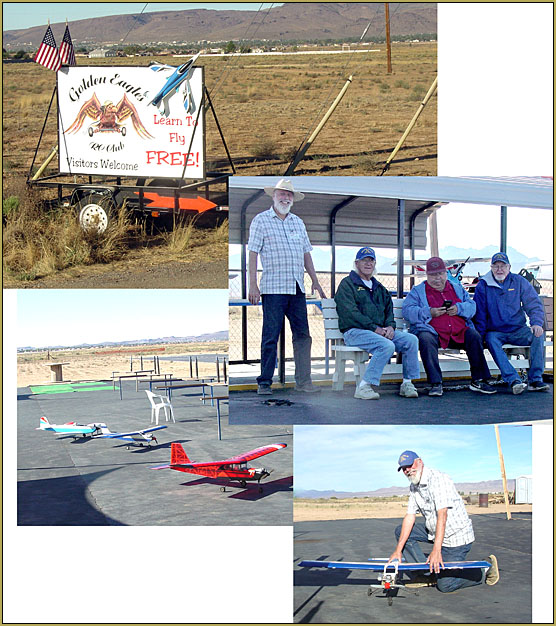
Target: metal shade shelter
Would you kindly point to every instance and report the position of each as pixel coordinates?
(383, 212)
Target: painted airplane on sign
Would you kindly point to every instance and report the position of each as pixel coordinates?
(391, 571)
(235, 468)
(172, 84)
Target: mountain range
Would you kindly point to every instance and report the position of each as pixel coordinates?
(485, 486)
(295, 21)
(221, 335)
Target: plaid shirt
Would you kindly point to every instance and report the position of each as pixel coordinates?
(437, 491)
(281, 244)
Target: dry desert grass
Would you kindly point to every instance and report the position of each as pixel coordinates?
(305, 510)
(98, 363)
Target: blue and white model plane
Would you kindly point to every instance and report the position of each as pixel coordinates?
(139, 436)
(71, 428)
(172, 85)
(391, 571)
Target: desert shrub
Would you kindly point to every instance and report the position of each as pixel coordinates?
(402, 84)
(418, 93)
(264, 148)
(9, 206)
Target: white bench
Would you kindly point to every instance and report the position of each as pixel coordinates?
(454, 362)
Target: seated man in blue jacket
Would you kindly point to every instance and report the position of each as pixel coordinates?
(439, 313)
(366, 317)
(503, 299)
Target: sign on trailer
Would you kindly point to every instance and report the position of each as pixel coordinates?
(108, 124)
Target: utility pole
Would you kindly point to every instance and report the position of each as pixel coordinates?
(503, 472)
(388, 46)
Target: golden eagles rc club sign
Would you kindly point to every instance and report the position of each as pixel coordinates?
(131, 121)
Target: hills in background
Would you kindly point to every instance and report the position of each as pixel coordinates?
(221, 335)
(289, 22)
(486, 486)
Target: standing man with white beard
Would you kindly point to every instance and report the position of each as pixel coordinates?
(447, 529)
(281, 240)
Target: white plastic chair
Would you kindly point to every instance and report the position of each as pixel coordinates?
(159, 402)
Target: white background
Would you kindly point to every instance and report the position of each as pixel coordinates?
(495, 118)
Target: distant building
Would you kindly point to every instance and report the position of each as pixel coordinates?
(100, 53)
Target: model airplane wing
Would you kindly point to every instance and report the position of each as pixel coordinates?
(109, 435)
(235, 460)
(378, 566)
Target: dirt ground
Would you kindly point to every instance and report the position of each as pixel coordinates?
(348, 509)
(98, 363)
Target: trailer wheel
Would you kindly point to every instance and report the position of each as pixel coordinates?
(95, 212)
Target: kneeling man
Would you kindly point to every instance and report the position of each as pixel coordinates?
(366, 317)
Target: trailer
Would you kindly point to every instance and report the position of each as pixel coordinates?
(127, 140)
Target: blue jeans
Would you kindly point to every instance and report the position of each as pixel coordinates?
(522, 337)
(275, 308)
(382, 350)
(446, 580)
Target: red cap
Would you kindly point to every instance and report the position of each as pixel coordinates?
(435, 264)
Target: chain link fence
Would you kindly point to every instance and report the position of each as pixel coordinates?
(255, 315)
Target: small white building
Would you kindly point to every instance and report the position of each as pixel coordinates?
(100, 53)
(524, 490)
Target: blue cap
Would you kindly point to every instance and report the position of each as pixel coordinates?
(365, 252)
(501, 257)
(406, 459)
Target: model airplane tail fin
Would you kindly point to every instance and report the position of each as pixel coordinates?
(178, 456)
(43, 423)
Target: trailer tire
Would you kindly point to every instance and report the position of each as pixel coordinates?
(95, 212)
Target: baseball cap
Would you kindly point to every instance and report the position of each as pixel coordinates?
(435, 264)
(500, 257)
(365, 252)
(407, 458)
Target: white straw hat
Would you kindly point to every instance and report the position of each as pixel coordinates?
(286, 185)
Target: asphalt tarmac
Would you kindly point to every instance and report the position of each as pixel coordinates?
(457, 406)
(67, 481)
(327, 596)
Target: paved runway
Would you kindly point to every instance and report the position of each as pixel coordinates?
(62, 481)
(340, 596)
(461, 406)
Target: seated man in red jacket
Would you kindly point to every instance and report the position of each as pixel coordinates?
(440, 313)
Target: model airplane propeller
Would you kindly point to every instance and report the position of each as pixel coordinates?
(234, 468)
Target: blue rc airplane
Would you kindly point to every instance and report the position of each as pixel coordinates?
(172, 84)
(391, 572)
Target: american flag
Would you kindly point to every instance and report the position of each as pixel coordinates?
(67, 55)
(47, 55)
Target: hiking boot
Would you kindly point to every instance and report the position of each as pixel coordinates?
(308, 388)
(421, 580)
(482, 387)
(407, 390)
(435, 390)
(538, 385)
(493, 575)
(518, 386)
(264, 390)
(366, 392)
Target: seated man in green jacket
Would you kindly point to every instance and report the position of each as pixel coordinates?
(366, 317)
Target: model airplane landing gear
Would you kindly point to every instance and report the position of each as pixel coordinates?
(222, 489)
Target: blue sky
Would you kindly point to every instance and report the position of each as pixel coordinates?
(364, 458)
(18, 15)
(74, 316)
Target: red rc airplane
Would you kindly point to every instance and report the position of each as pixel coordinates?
(235, 468)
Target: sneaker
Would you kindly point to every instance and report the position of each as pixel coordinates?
(407, 390)
(482, 387)
(435, 390)
(308, 388)
(538, 385)
(264, 390)
(518, 386)
(366, 392)
(493, 575)
(421, 580)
